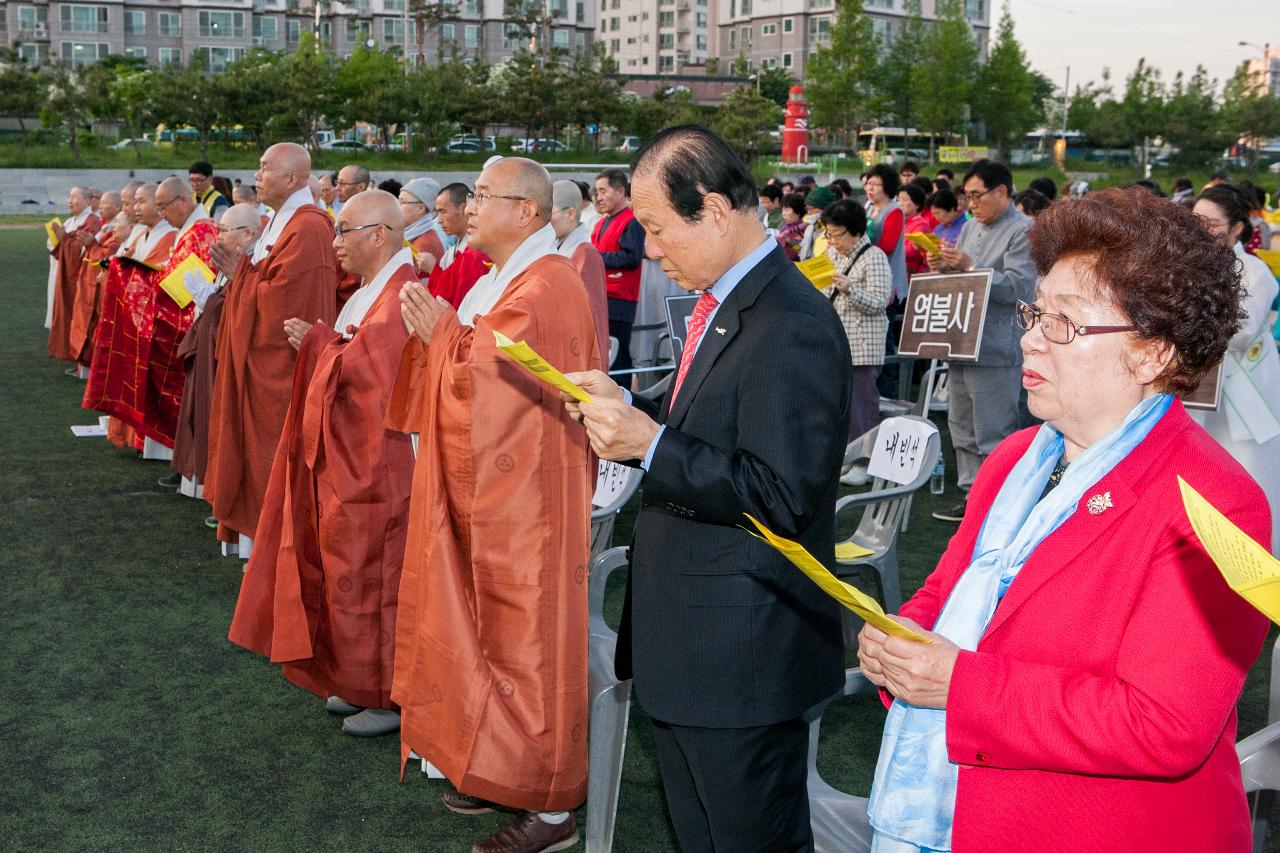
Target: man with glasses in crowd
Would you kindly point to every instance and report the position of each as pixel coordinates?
(200, 176)
(352, 179)
(987, 401)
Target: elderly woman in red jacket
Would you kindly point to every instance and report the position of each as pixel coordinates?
(1080, 690)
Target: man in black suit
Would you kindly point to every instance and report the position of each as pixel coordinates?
(728, 643)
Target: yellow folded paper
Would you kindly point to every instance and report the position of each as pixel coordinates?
(1271, 259)
(846, 551)
(524, 355)
(1248, 568)
(863, 605)
(52, 234)
(818, 270)
(174, 284)
(927, 243)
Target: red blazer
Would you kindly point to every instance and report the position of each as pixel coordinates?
(1099, 710)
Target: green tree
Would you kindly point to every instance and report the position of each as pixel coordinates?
(254, 90)
(745, 120)
(593, 91)
(1192, 122)
(1004, 97)
(841, 80)
(944, 77)
(427, 17)
(66, 102)
(21, 90)
(188, 97)
(309, 81)
(1248, 112)
(116, 90)
(531, 93)
(370, 86)
(1143, 107)
(896, 79)
(775, 84)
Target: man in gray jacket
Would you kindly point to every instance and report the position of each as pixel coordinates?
(986, 395)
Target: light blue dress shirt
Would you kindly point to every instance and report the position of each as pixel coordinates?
(720, 290)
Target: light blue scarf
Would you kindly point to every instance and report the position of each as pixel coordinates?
(914, 795)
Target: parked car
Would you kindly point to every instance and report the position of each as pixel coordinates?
(629, 144)
(128, 143)
(345, 145)
(529, 146)
(466, 143)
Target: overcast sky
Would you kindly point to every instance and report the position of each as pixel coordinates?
(1173, 35)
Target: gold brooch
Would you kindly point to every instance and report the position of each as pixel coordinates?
(1099, 504)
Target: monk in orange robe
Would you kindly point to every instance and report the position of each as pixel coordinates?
(421, 231)
(74, 238)
(93, 272)
(165, 370)
(352, 179)
(491, 634)
(238, 231)
(290, 274)
(574, 242)
(319, 592)
(117, 378)
(462, 266)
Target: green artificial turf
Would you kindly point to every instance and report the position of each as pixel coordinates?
(130, 723)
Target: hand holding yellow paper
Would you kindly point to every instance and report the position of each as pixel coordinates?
(51, 232)
(524, 355)
(818, 269)
(174, 284)
(863, 605)
(927, 243)
(1249, 568)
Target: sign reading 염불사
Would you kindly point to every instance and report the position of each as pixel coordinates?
(945, 314)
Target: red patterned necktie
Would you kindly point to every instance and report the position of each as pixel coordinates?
(697, 325)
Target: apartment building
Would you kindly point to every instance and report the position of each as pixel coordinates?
(786, 33)
(169, 31)
(656, 36)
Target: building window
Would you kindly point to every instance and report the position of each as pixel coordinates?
(768, 29)
(170, 56)
(615, 24)
(975, 9)
(644, 61)
(733, 39)
(135, 52)
(135, 23)
(820, 27)
(666, 64)
(326, 31)
(446, 32)
(882, 29)
(746, 37)
(746, 7)
(471, 37)
(292, 32)
(786, 60)
(666, 19)
(768, 62)
(218, 58)
(225, 25)
(472, 7)
(29, 54)
(560, 38)
(170, 24)
(615, 45)
(393, 5)
(83, 53)
(393, 30)
(267, 29)
(357, 31)
(580, 39)
(788, 24)
(880, 4)
(700, 19)
(559, 8)
(29, 17)
(700, 42)
(666, 41)
(819, 4)
(83, 19)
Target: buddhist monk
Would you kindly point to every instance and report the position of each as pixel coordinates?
(165, 370)
(319, 593)
(491, 635)
(329, 194)
(74, 237)
(574, 242)
(117, 377)
(291, 273)
(352, 179)
(238, 230)
(84, 310)
(462, 266)
(421, 230)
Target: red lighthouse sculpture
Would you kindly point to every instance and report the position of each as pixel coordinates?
(795, 134)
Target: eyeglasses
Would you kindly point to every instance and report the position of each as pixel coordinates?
(225, 229)
(481, 197)
(342, 183)
(404, 203)
(837, 235)
(342, 233)
(161, 205)
(1058, 329)
(977, 195)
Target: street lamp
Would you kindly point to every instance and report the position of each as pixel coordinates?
(1265, 50)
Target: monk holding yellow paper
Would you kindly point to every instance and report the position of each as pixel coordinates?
(491, 635)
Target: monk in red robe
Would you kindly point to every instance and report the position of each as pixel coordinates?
(165, 370)
(93, 272)
(574, 242)
(462, 266)
(352, 179)
(319, 593)
(491, 634)
(74, 239)
(291, 273)
(238, 231)
(117, 378)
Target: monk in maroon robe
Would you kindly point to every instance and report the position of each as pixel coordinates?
(73, 242)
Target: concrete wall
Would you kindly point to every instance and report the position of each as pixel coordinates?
(48, 188)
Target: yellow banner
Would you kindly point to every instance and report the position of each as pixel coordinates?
(524, 355)
(866, 607)
(51, 233)
(1248, 568)
(961, 153)
(174, 285)
(818, 269)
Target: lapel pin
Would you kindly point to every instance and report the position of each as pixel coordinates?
(719, 330)
(1099, 504)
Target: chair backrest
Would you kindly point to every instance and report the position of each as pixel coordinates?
(886, 501)
(933, 381)
(615, 485)
(657, 389)
(602, 566)
(613, 349)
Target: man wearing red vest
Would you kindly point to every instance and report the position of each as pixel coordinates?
(620, 241)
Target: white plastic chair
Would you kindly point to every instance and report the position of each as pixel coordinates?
(839, 820)
(614, 487)
(609, 706)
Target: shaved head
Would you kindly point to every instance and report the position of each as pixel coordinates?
(314, 183)
(283, 169)
(523, 177)
(243, 216)
(109, 206)
(375, 206)
(363, 250)
(144, 205)
(566, 194)
(173, 187)
(173, 199)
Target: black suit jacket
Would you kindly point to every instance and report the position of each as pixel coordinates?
(718, 629)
